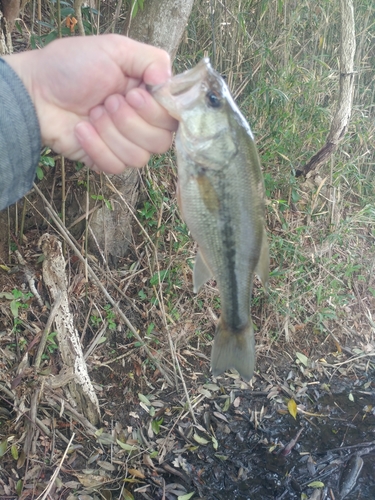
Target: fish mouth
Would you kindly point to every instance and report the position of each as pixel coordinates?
(185, 81)
(182, 91)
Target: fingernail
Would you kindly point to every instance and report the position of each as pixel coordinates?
(156, 74)
(96, 113)
(81, 131)
(135, 99)
(112, 104)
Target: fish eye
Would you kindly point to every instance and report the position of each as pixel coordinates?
(213, 99)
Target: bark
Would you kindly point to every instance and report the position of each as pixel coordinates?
(160, 23)
(9, 11)
(73, 376)
(78, 13)
(110, 229)
(344, 108)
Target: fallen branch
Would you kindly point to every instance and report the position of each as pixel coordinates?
(80, 388)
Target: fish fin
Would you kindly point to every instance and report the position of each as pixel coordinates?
(201, 273)
(233, 349)
(263, 267)
(178, 196)
(208, 194)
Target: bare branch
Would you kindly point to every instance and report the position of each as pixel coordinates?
(344, 108)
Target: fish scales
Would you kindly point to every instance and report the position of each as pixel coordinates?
(221, 197)
(229, 249)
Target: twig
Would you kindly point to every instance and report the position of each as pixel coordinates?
(44, 494)
(118, 358)
(334, 365)
(31, 424)
(95, 341)
(30, 277)
(349, 447)
(38, 422)
(84, 421)
(61, 436)
(321, 475)
(64, 233)
(35, 396)
(43, 340)
(7, 391)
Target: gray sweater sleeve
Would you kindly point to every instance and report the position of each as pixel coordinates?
(20, 141)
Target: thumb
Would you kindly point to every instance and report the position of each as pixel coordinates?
(141, 61)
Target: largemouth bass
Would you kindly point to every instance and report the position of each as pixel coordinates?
(221, 198)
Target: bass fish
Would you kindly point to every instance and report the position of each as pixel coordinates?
(221, 197)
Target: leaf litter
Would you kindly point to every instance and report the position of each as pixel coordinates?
(284, 435)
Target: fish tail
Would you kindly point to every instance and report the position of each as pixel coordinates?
(233, 349)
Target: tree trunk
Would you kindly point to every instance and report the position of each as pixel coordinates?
(160, 23)
(9, 11)
(344, 108)
(78, 13)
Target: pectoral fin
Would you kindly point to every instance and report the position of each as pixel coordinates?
(262, 269)
(201, 272)
(208, 194)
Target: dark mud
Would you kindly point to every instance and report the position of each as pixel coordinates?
(250, 461)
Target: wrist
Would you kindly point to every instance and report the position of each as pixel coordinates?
(24, 65)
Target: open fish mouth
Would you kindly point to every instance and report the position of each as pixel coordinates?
(185, 81)
(182, 91)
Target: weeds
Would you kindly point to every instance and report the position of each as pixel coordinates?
(45, 162)
(51, 345)
(96, 319)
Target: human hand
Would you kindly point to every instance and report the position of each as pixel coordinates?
(90, 98)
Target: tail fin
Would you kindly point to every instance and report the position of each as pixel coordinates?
(233, 349)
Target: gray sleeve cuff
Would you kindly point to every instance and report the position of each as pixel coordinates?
(20, 141)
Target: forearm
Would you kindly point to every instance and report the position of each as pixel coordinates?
(20, 141)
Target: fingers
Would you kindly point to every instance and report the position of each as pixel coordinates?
(119, 136)
(127, 134)
(148, 109)
(96, 151)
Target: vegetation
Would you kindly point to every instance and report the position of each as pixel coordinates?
(280, 59)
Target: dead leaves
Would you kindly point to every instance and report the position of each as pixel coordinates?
(70, 22)
(292, 408)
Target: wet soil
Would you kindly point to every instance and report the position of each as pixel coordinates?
(241, 451)
(253, 471)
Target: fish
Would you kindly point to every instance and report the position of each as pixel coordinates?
(220, 193)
